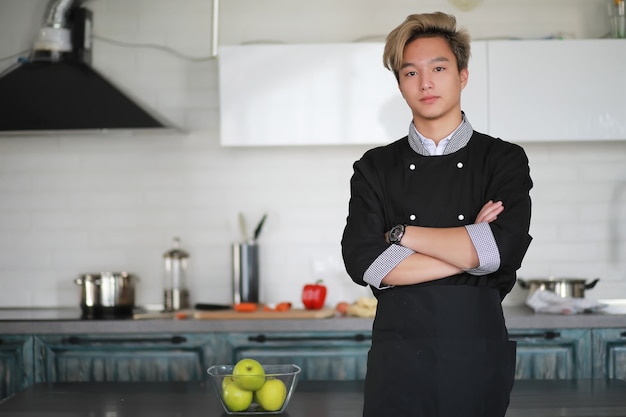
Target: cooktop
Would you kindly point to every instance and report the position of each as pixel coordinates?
(59, 313)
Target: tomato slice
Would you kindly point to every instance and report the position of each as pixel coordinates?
(284, 306)
(246, 307)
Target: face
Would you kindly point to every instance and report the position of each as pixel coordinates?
(429, 80)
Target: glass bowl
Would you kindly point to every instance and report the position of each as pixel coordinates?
(288, 374)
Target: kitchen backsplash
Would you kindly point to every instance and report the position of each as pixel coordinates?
(85, 203)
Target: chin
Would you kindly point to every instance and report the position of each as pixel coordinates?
(430, 116)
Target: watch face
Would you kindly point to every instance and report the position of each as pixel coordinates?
(396, 234)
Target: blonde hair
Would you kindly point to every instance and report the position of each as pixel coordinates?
(427, 25)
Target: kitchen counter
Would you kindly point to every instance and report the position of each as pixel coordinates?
(590, 398)
(69, 321)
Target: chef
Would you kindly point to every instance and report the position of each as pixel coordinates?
(437, 226)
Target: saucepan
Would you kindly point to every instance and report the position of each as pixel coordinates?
(107, 293)
(565, 287)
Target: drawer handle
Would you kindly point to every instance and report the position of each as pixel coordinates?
(74, 340)
(261, 338)
(549, 335)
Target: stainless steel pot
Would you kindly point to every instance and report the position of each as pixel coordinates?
(107, 294)
(565, 287)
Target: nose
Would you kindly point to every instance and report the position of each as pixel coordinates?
(425, 84)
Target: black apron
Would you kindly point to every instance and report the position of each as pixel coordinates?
(439, 351)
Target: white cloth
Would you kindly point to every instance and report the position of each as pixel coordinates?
(543, 301)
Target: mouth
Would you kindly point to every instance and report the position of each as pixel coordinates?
(429, 99)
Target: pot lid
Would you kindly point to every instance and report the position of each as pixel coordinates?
(176, 252)
(555, 279)
(95, 276)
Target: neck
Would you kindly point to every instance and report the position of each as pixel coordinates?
(437, 128)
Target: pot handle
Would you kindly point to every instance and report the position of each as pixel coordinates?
(592, 284)
(523, 283)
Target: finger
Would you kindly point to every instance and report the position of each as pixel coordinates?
(490, 205)
(492, 208)
(490, 216)
(495, 210)
(490, 213)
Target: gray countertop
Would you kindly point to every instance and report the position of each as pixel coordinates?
(311, 398)
(69, 321)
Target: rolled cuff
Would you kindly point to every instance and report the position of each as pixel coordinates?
(486, 248)
(385, 262)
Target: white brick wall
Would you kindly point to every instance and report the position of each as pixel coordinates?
(73, 204)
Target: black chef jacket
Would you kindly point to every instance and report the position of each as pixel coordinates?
(439, 349)
(440, 191)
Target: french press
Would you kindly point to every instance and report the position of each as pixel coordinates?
(175, 293)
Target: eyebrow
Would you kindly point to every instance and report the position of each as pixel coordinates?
(432, 61)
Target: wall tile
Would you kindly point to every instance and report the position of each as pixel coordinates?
(83, 203)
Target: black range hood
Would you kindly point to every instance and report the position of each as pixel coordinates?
(66, 96)
(56, 89)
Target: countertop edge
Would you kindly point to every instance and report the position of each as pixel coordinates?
(517, 318)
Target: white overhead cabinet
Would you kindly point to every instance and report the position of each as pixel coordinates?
(474, 98)
(340, 94)
(319, 94)
(557, 90)
(308, 94)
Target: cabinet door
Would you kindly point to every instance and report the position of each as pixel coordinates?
(474, 98)
(609, 348)
(553, 354)
(153, 357)
(322, 356)
(16, 364)
(342, 95)
(557, 89)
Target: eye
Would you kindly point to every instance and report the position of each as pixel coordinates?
(411, 74)
(439, 69)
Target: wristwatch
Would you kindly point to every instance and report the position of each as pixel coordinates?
(396, 233)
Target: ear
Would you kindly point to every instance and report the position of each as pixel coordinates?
(464, 75)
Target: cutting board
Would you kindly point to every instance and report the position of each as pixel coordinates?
(264, 315)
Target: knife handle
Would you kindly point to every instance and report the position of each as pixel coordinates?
(207, 306)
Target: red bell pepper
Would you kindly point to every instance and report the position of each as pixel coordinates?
(314, 295)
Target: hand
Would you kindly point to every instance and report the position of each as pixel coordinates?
(489, 212)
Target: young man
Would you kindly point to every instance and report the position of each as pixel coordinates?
(438, 226)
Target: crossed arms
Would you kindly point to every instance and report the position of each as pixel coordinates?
(439, 252)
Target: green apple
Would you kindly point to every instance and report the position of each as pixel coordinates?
(271, 395)
(227, 380)
(249, 374)
(235, 398)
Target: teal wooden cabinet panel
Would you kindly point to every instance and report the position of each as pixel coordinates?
(326, 355)
(16, 364)
(553, 354)
(609, 346)
(321, 355)
(154, 357)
